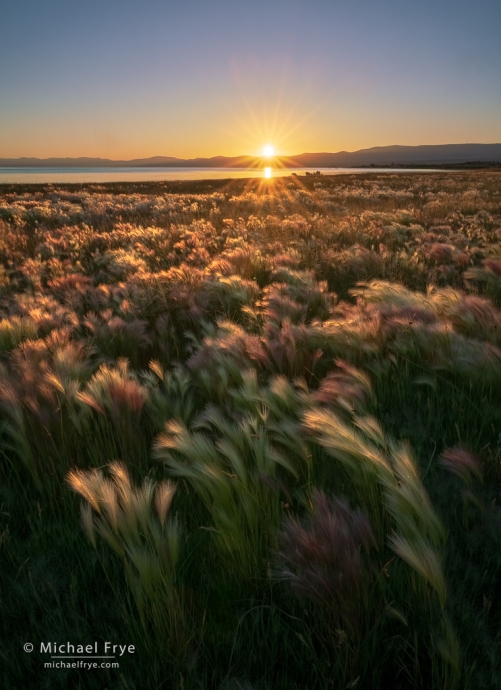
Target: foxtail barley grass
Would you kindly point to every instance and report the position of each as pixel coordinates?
(134, 523)
(389, 488)
(327, 561)
(317, 362)
(233, 475)
(14, 330)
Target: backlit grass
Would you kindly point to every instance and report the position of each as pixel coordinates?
(252, 428)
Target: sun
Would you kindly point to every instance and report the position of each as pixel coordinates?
(268, 151)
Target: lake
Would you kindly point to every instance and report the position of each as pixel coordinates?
(68, 175)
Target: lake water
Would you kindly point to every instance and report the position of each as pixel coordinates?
(68, 175)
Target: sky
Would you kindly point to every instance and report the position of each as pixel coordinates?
(127, 79)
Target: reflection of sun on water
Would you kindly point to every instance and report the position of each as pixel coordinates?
(267, 172)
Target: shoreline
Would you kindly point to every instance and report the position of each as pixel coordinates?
(211, 185)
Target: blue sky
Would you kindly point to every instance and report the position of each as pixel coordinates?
(131, 79)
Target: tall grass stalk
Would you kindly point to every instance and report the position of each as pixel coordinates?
(134, 523)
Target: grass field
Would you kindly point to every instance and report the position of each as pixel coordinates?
(253, 429)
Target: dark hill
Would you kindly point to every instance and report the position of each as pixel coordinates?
(379, 155)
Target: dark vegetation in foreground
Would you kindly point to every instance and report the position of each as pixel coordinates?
(468, 165)
(253, 429)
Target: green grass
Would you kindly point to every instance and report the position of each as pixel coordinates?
(315, 364)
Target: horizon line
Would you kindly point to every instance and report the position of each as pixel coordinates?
(249, 156)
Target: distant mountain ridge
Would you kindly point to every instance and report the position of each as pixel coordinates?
(380, 155)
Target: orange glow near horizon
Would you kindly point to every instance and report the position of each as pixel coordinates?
(268, 131)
